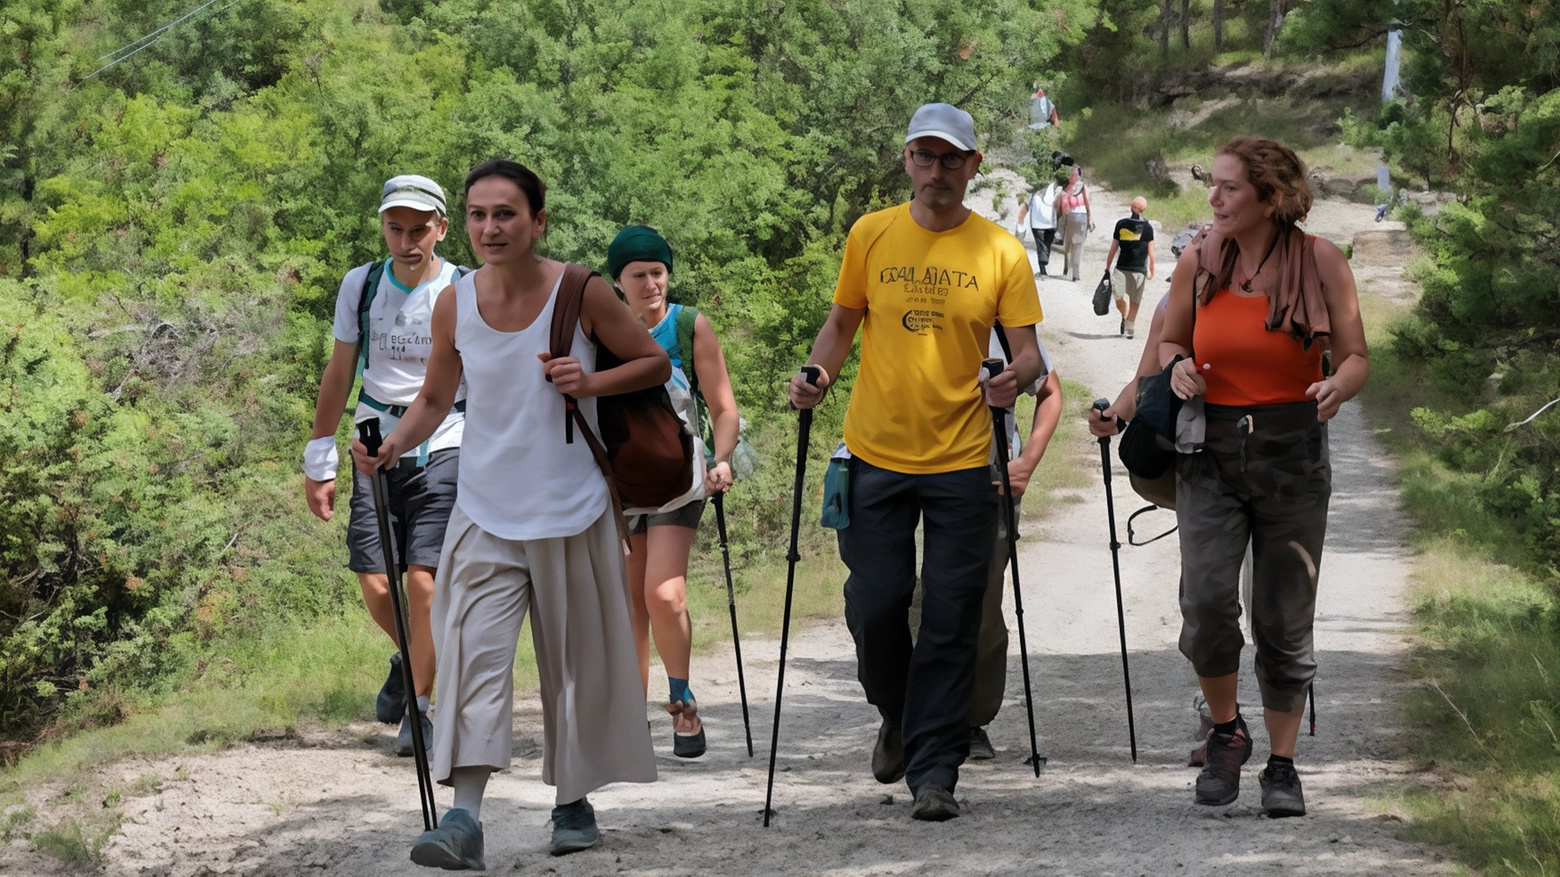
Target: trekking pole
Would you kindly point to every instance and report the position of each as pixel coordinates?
(1115, 563)
(999, 427)
(803, 433)
(1311, 694)
(368, 432)
(731, 603)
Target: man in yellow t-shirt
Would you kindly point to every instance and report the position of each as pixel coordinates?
(925, 281)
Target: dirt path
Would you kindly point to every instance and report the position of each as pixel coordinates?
(339, 804)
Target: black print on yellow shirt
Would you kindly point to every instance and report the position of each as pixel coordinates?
(919, 321)
(929, 288)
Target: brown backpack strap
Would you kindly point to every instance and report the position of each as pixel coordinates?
(566, 316)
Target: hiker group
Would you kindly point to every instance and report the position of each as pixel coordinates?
(535, 438)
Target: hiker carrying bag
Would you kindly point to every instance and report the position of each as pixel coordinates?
(645, 451)
(1147, 446)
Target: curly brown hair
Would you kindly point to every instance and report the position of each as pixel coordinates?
(1274, 169)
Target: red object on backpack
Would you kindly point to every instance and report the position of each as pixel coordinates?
(644, 450)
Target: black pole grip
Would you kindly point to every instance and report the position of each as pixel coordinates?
(993, 367)
(1101, 404)
(368, 433)
(811, 373)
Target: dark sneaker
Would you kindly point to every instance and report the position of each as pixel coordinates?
(934, 804)
(456, 845)
(888, 756)
(687, 744)
(574, 828)
(1122, 329)
(1281, 795)
(390, 705)
(403, 738)
(1219, 782)
(980, 745)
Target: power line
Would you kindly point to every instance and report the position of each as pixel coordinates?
(150, 39)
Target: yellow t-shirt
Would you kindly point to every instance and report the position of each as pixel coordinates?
(931, 299)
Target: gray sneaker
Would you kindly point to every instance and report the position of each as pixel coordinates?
(934, 804)
(456, 845)
(403, 737)
(574, 828)
(1281, 795)
(980, 745)
(1219, 782)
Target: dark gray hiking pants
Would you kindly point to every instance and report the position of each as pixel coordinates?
(1268, 486)
(925, 688)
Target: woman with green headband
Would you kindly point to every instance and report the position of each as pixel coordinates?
(640, 262)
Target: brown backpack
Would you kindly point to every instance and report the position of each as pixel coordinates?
(644, 451)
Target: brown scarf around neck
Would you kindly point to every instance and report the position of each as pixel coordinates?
(1296, 306)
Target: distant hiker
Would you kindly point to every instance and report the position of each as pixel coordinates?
(1268, 300)
(1077, 221)
(991, 650)
(1042, 111)
(1134, 240)
(533, 528)
(383, 311)
(1040, 210)
(929, 279)
(640, 262)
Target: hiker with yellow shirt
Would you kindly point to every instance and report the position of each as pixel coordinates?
(925, 282)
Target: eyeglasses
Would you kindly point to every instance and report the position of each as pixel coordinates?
(950, 160)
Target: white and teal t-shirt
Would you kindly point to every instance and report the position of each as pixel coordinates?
(400, 340)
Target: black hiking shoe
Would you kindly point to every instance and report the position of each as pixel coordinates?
(934, 804)
(574, 828)
(1281, 795)
(456, 845)
(1219, 782)
(390, 706)
(888, 756)
(980, 745)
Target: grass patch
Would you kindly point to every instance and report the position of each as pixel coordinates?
(72, 842)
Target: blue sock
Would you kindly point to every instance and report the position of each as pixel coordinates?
(680, 690)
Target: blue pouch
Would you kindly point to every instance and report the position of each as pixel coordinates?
(836, 490)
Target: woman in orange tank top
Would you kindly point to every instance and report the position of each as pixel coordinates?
(1251, 312)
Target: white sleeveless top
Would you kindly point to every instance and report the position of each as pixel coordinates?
(518, 478)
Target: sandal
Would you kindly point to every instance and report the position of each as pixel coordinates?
(685, 744)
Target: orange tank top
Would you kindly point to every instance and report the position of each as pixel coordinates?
(1244, 363)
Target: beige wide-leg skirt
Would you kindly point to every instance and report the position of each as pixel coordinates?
(593, 707)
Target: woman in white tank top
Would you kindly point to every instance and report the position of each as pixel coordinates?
(533, 529)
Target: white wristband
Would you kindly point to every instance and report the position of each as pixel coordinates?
(320, 460)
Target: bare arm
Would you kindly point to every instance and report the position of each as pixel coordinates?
(1179, 317)
(1110, 257)
(1352, 359)
(433, 402)
(335, 386)
(1048, 413)
(1023, 211)
(1002, 390)
(608, 319)
(828, 353)
(1150, 260)
(715, 386)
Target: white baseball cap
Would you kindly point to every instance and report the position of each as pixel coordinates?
(945, 122)
(411, 190)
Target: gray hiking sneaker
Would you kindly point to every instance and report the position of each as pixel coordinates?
(934, 804)
(574, 828)
(980, 745)
(390, 705)
(403, 738)
(456, 845)
(1281, 795)
(1219, 782)
(888, 755)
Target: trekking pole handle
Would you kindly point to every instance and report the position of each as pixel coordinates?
(368, 433)
(811, 373)
(1100, 405)
(993, 367)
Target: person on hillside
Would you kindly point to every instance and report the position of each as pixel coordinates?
(991, 649)
(1077, 221)
(927, 279)
(533, 527)
(640, 262)
(1040, 210)
(1133, 238)
(1042, 111)
(1251, 311)
(394, 299)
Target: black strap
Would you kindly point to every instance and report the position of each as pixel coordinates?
(1132, 535)
(1007, 351)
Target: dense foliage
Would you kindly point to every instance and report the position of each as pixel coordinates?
(175, 216)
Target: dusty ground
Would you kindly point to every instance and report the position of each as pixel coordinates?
(338, 803)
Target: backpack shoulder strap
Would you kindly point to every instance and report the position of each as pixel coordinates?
(1007, 349)
(687, 318)
(566, 310)
(376, 271)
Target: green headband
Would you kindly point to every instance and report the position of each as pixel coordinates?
(637, 243)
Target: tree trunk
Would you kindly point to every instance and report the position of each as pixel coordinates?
(1164, 31)
(1218, 26)
(1275, 24)
(1186, 24)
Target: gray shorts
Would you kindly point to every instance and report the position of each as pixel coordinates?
(1129, 285)
(420, 505)
(682, 516)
